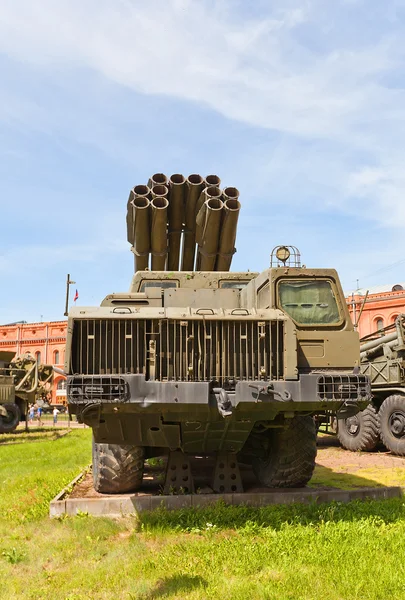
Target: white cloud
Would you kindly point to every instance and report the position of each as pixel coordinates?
(256, 70)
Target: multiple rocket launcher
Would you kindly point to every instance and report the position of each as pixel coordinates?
(186, 224)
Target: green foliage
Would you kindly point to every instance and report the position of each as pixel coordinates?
(13, 555)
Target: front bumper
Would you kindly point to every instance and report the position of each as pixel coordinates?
(197, 416)
(326, 390)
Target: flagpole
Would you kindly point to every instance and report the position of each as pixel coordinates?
(68, 283)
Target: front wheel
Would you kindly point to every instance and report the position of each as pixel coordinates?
(287, 457)
(117, 469)
(360, 432)
(10, 422)
(392, 424)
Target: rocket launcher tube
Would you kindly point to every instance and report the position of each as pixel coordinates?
(209, 192)
(194, 186)
(159, 207)
(138, 191)
(157, 179)
(141, 238)
(177, 190)
(213, 180)
(207, 234)
(229, 225)
(159, 191)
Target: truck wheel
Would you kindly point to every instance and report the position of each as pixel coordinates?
(360, 432)
(10, 422)
(117, 469)
(392, 424)
(290, 454)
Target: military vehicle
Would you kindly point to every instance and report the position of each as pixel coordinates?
(198, 361)
(383, 361)
(22, 380)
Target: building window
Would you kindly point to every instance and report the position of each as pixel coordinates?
(56, 357)
(397, 288)
(38, 357)
(61, 385)
(379, 324)
(393, 318)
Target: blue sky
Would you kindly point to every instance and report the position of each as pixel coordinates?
(299, 104)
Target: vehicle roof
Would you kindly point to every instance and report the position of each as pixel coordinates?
(191, 279)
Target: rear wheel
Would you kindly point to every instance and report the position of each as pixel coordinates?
(10, 422)
(117, 469)
(287, 455)
(360, 432)
(392, 424)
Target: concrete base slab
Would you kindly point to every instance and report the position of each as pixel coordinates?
(126, 504)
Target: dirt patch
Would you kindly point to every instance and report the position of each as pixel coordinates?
(331, 455)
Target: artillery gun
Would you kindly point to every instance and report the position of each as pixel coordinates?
(21, 381)
(383, 361)
(196, 360)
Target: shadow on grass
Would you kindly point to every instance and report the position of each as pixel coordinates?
(325, 478)
(36, 434)
(176, 584)
(274, 516)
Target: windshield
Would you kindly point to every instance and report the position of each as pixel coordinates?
(309, 302)
(158, 283)
(232, 284)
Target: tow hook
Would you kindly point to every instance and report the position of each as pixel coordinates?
(268, 390)
(225, 406)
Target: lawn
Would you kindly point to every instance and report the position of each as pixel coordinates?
(329, 552)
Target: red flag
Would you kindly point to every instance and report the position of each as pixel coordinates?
(76, 296)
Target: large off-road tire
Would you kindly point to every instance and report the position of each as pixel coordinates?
(117, 469)
(289, 455)
(10, 423)
(392, 424)
(361, 432)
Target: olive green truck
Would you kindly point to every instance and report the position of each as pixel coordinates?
(205, 362)
(382, 356)
(22, 380)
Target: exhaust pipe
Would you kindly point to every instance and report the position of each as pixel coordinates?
(229, 225)
(177, 189)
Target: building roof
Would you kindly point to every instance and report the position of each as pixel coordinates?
(378, 289)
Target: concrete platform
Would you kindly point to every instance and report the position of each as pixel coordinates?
(148, 499)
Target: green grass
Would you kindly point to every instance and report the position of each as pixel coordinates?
(31, 474)
(293, 552)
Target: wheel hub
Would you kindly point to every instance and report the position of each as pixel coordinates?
(9, 418)
(397, 424)
(353, 425)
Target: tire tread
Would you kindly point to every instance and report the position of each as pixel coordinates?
(117, 469)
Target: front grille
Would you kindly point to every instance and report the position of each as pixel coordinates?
(174, 350)
(343, 387)
(96, 389)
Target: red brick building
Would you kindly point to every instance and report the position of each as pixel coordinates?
(45, 341)
(382, 306)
